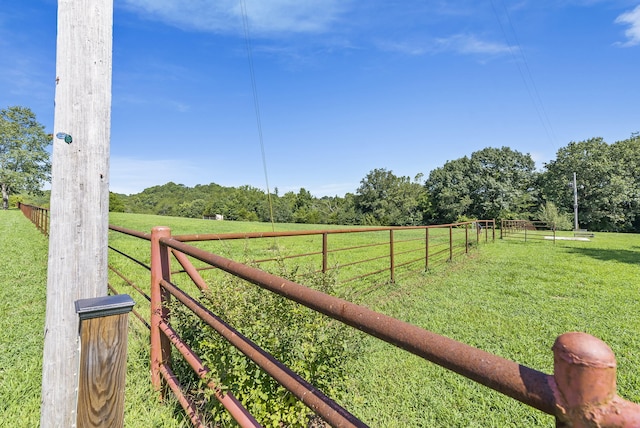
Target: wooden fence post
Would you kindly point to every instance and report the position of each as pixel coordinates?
(103, 360)
(79, 223)
(494, 230)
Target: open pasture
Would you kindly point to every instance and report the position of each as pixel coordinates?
(510, 298)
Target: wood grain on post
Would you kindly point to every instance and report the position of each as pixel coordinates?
(103, 360)
(78, 233)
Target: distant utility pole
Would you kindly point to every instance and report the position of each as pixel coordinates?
(79, 195)
(575, 202)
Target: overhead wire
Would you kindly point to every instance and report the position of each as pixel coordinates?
(256, 105)
(527, 77)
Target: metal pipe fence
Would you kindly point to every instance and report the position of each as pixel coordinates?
(581, 392)
(39, 216)
(568, 394)
(393, 251)
(527, 230)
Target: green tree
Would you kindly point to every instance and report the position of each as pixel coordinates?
(115, 203)
(626, 157)
(492, 183)
(192, 209)
(24, 160)
(607, 187)
(449, 189)
(347, 212)
(386, 199)
(550, 214)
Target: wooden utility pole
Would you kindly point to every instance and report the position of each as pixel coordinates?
(79, 195)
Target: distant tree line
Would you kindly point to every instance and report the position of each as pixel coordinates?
(498, 183)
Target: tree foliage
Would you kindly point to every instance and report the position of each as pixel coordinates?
(24, 160)
(386, 199)
(492, 183)
(550, 214)
(115, 203)
(608, 184)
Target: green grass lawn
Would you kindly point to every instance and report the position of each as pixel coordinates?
(23, 273)
(23, 268)
(510, 298)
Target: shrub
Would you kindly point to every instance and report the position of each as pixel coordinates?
(311, 344)
(549, 213)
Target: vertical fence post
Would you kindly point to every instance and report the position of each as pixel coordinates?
(426, 249)
(450, 243)
(486, 231)
(391, 257)
(466, 238)
(585, 374)
(160, 345)
(325, 251)
(103, 360)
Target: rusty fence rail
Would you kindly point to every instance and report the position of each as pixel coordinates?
(526, 230)
(580, 393)
(39, 216)
(394, 251)
(389, 251)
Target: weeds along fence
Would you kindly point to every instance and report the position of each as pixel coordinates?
(580, 393)
(526, 230)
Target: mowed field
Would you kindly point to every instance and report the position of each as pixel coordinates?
(510, 298)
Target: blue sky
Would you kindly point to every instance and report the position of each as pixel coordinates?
(343, 86)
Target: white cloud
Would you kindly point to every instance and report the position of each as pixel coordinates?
(470, 44)
(632, 19)
(467, 44)
(225, 16)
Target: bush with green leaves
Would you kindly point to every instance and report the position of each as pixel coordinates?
(311, 344)
(550, 214)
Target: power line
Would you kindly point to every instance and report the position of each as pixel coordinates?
(256, 103)
(527, 78)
